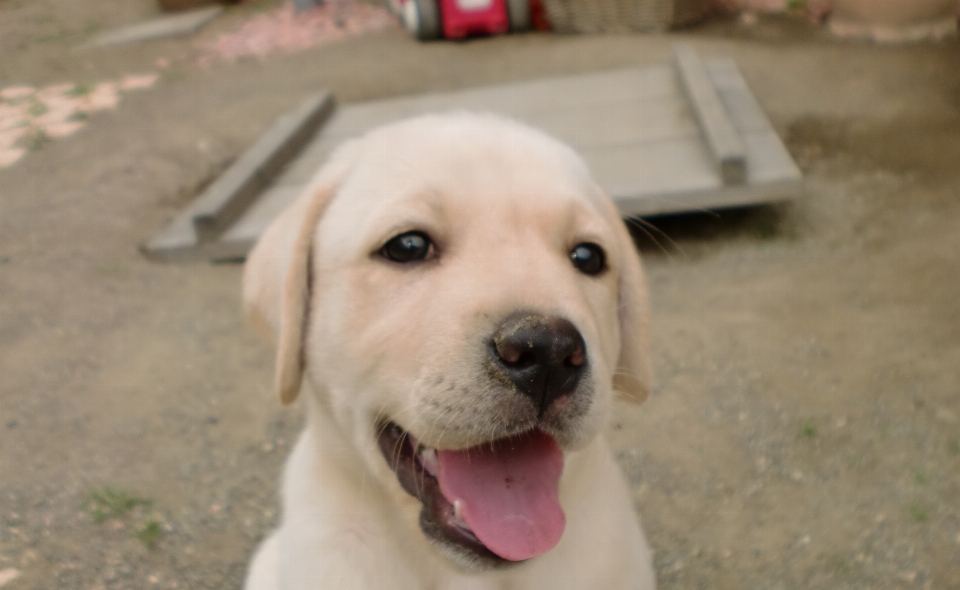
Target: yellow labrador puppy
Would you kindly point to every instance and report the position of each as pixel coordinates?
(459, 303)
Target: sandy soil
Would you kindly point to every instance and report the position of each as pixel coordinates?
(805, 431)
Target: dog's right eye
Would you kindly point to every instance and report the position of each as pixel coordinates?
(411, 246)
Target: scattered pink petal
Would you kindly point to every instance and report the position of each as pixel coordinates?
(133, 82)
(54, 92)
(9, 574)
(103, 97)
(17, 92)
(62, 102)
(162, 62)
(55, 116)
(55, 110)
(11, 116)
(7, 158)
(287, 31)
(62, 129)
(10, 137)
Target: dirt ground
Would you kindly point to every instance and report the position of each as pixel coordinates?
(805, 429)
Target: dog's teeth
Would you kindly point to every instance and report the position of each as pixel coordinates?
(458, 515)
(429, 460)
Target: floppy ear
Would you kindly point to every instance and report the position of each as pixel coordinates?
(277, 281)
(632, 379)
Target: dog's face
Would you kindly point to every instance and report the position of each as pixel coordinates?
(461, 296)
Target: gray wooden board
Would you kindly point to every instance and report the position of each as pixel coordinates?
(177, 25)
(721, 134)
(216, 210)
(634, 127)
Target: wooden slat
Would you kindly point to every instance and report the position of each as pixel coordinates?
(645, 141)
(585, 92)
(229, 196)
(721, 135)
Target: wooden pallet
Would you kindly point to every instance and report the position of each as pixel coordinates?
(688, 136)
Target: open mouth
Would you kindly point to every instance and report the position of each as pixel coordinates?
(496, 502)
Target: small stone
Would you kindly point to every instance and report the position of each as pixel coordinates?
(908, 577)
(881, 517)
(805, 540)
(945, 415)
(797, 475)
(841, 422)
(748, 18)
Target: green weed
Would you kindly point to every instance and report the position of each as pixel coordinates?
(918, 513)
(109, 502)
(149, 534)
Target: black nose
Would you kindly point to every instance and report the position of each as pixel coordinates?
(543, 356)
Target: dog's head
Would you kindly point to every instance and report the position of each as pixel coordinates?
(464, 302)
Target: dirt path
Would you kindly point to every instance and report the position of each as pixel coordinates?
(805, 432)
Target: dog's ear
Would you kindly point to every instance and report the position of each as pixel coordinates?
(633, 376)
(277, 277)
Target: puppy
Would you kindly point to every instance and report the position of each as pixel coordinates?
(459, 304)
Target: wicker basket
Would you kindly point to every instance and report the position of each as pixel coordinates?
(608, 16)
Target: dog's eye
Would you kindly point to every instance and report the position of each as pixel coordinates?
(410, 246)
(588, 258)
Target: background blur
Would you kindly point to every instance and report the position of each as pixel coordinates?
(805, 429)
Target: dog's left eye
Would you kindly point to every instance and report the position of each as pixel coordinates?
(588, 258)
(410, 246)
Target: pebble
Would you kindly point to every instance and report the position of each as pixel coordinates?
(908, 577)
(748, 18)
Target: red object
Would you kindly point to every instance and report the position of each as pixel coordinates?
(473, 17)
(538, 16)
(456, 19)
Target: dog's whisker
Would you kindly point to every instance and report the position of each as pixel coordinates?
(643, 224)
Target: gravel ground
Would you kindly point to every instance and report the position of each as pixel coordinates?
(805, 429)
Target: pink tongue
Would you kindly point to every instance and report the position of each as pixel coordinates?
(508, 493)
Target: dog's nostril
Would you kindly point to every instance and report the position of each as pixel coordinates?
(576, 358)
(525, 359)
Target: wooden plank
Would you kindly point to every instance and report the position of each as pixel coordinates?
(738, 101)
(226, 199)
(254, 222)
(637, 130)
(585, 92)
(662, 169)
(721, 135)
(176, 25)
(722, 197)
